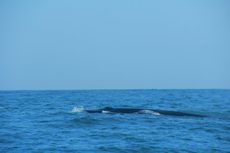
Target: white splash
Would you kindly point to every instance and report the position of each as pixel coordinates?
(77, 109)
(106, 112)
(149, 112)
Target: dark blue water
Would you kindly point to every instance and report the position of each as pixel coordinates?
(52, 121)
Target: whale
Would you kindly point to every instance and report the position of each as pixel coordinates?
(111, 110)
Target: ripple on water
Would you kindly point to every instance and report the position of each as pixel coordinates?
(86, 120)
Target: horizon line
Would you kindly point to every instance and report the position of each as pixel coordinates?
(114, 89)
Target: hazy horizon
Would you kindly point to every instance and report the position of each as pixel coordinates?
(98, 89)
(93, 45)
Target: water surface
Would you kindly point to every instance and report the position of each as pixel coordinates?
(52, 121)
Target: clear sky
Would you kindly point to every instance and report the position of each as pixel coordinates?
(114, 44)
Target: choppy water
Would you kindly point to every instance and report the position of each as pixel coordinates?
(53, 121)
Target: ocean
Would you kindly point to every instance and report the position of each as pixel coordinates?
(55, 121)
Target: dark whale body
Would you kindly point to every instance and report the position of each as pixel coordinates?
(142, 111)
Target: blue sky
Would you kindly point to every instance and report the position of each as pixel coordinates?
(116, 44)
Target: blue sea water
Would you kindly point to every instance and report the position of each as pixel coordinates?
(55, 121)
